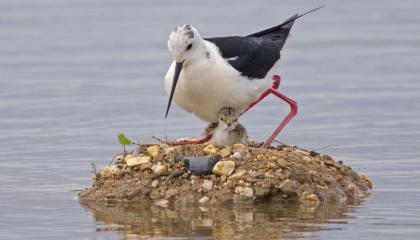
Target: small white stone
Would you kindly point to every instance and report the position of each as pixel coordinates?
(207, 185)
(159, 169)
(161, 203)
(224, 168)
(139, 160)
(244, 191)
(155, 183)
(237, 155)
(204, 200)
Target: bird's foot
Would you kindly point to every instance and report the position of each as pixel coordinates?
(187, 141)
(276, 81)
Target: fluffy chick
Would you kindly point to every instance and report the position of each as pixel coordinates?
(229, 131)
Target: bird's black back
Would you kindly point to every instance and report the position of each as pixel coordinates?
(254, 55)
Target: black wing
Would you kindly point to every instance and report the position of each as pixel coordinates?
(254, 55)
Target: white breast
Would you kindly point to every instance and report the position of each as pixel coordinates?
(209, 84)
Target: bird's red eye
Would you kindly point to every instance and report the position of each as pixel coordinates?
(189, 47)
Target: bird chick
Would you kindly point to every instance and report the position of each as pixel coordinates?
(229, 131)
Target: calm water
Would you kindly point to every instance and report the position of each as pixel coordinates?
(75, 73)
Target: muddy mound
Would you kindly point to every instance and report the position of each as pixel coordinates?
(166, 175)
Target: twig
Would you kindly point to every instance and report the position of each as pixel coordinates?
(281, 140)
(171, 175)
(177, 174)
(159, 140)
(183, 190)
(93, 168)
(330, 145)
(110, 162)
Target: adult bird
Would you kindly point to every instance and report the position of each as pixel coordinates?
(208, 74)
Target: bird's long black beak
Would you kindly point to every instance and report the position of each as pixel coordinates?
(178, 68)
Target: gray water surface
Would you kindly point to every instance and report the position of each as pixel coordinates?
(75, 73)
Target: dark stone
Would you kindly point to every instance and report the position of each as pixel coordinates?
(313, 153)
(201, 165)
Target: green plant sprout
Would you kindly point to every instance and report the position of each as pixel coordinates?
(124, 141)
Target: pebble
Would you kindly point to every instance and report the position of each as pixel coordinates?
(159, 169)
(108, 183)
(367, 181)
(185, 175)
(289, 186)
(161, 203)
(210, 149)
(119, 158)
(146, 166)
(164, 146)
(223, 178)
(204, 200)
(260, 157)
(128, 156)
(155, 183)
(239, 147)
(237, 155)
(110, 171)
(261, 192)
(282, 163)
(170, 150)
(237, 175)
(292, 158)
(255, 174)
(244, 191)
(306, 159)
(224, 168)
(225, 152)
(140, 160)
(207, 185)
(153, 151)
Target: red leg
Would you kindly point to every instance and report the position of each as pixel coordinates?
(195, 141)
(272, 90)
(291, 102)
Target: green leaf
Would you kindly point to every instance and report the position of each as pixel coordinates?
(124, 140)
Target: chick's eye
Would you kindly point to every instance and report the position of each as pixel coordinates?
(189, 47)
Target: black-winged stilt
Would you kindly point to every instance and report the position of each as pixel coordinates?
(208, 74)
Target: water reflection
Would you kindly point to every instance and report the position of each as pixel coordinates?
(240, 221)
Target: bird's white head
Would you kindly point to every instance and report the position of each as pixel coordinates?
(184, 43)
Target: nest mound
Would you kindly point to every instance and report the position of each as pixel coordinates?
(283, 173)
